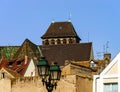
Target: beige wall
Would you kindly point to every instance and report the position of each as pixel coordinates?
(34, 84)
(7, 75)
(84, 84)
(69, 83)
(5, 85)
(113, 69)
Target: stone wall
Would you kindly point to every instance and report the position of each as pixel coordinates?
(34, 84)
(27, 84)
(68, 83)
(84, 84)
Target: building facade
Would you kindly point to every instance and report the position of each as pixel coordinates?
(109, 78)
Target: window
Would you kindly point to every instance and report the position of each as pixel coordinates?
(52, 41)
(19, 63)
(46, 42)
(10, 64)
(70, 41)
(111, 87)
(92, 64)
(64, 41)
(58, 41)
(3, 75)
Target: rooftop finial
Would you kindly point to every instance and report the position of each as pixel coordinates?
(69, 19)
(53, 21)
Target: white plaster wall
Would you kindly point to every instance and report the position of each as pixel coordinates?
(31, 69)
(96, 83)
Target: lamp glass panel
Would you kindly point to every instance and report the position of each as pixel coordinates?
(43, 70)
(54, 75)
(39, 71)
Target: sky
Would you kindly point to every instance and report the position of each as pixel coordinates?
(96, 21)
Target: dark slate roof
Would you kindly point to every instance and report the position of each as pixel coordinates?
(60, 29)
(60, 53)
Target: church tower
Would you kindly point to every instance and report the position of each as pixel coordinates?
(60, 33)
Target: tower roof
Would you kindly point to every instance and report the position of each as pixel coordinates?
(60, 29)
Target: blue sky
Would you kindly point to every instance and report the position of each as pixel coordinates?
(96, 21)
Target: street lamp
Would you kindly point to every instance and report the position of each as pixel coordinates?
(50, 74)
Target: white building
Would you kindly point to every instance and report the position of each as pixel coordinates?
(109, 79)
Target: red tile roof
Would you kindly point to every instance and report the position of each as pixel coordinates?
(18, 65)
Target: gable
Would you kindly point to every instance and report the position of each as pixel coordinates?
(7, 73)
(30, 71)
(113, 67)
(66, 70)
(28, 48)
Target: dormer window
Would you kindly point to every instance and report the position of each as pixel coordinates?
(10, 64)
(19, 63)
(92, 64)
(60, 27)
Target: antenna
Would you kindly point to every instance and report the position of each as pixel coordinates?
(107, 46)
(104, 49)
(69, 19)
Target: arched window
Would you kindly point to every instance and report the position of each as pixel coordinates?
(70, 40)
(52, 41)
(58, 41)
(46, 42)
(64, 41)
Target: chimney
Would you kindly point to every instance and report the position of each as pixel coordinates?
(107, 58)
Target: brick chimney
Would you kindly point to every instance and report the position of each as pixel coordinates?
(107, 58)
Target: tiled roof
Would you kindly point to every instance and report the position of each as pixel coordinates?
(60, 53)
(98, 64)
(18, 65)
(13, 73)
(27, 48)
(60, 29)
(8, 51)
